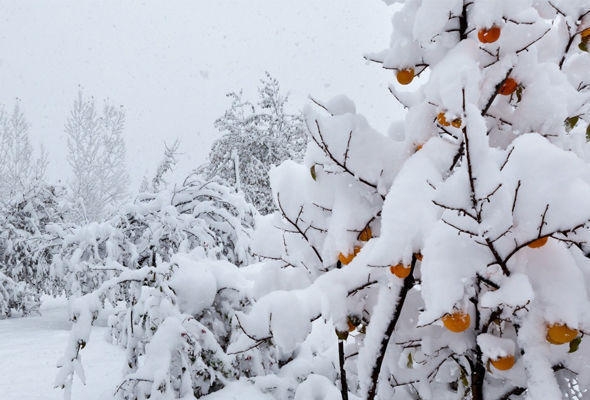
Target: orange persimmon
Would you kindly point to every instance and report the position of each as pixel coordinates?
(540, 242)
(489, 35)
(503, 363)
(457, 321)
(400, 270)
(560, 334)
(508, 87)
(405, 76)
(346, 259)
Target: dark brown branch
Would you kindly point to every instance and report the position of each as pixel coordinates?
(458, 155)
(463, 23)
(493, 192)
(567, 49)
(499, 260)
(468, 158)
(507, 158)
(515, 196)
(253, 346)
(322, 207)
(533, 42)
(301, 232)
(404, 105)
(556, 9)
(401, 298)
(502, 120)
(543, 223)
(493, 96)
(358, 289)
(250, 336)
(459, 229)
(519, 22)
(460, 211)
(564, 232)
(316, 102)
(517, 391)
(502, 234)
(487, 282)
(343, 383)
(347, 148)
(324, 147)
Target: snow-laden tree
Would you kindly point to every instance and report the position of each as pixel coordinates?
(449, 256)
(254, 138)
(27, 247)
(96, 154)
(19, 170)
(167, 265)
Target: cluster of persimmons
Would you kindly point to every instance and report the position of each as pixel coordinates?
(459, 320)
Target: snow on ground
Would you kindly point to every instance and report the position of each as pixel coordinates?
(30, 348)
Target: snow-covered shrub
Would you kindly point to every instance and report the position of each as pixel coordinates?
(170, 264)
(16, 298)
(254, 138)
(450, 256)
(27, 247)
(199, 214)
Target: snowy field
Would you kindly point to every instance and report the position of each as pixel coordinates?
(30, 348)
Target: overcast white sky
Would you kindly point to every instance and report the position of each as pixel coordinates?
(170, 64)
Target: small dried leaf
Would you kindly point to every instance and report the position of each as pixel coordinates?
(464, 380)
(518, 93)
(342, 335)
(575, 344)
(312, 171)
(571, 122)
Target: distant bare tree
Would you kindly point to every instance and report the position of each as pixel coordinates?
(96, 153)
(19, 171)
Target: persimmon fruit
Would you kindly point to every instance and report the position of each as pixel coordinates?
(365, 235)
(442, 119)
(489, 35)
(346, 259)
(585, 33)
(400, 270)
(456, 123)
(353, 322)
(540, 242)
(560, 334)
(351, 327)
(405, 76)
(503, 363)
(508, 87)
(457, 321)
